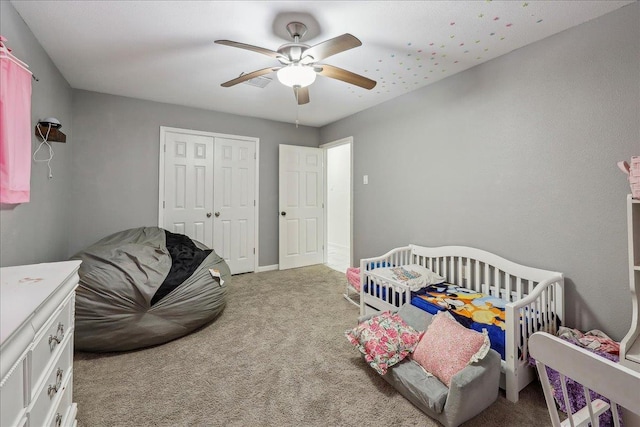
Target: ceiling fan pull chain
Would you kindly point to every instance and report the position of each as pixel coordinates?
(297, 106)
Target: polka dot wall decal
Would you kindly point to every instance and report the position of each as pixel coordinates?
(452, 36)
(538, 21)
(461, 44)
(525, 4)
(409, 44)
(477, 41)
(502, 38)
(466, 51)
(455, 62)
(442, 46)
(492, 34)
(430, 44)
(509, 25)
(486, 49)
(452, 23)
(481, 15)
(496, 18)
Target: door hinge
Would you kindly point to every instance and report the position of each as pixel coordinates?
(254, 156)
(323, 206)
(165, 147)
(254, 251)
(254, 203)
(164, 205)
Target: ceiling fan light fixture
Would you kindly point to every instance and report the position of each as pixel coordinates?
(296, 75)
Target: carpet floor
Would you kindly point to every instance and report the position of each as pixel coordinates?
(276, 356)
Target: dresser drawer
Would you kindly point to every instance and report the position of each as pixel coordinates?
(12, 397)
(48, 341)
(65, 414)
(57, 380)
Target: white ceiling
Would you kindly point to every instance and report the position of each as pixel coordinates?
(164, 51)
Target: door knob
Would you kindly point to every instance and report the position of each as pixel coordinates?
(283, 213)
(209, 215)
(217, 214)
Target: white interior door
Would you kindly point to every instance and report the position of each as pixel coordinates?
(188, 186)
(234, 201)
(301, 194)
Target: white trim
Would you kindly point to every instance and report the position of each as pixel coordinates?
(267, 268)
(325, 147)
(165, 129)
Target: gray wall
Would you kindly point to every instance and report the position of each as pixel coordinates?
(37, 231)
(115, 163)
(516, 156)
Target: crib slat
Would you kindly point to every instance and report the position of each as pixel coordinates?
(565, 395)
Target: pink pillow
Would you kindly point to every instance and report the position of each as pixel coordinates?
(447, 347)
(384, 340)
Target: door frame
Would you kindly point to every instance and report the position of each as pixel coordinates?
(325, 147)
(161, 171)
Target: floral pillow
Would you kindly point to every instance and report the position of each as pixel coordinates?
(447, 347)
(384, 340)
(413, 275)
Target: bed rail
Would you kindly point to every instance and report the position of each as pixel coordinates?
(385, 295)
(616, 382)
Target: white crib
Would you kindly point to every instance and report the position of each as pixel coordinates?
(534, 297)
(616, 382)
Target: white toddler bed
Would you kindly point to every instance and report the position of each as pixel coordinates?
(532, 297)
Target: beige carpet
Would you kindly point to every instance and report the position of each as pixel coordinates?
(276, 356)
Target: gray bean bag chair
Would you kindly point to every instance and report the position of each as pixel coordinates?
(145, 286)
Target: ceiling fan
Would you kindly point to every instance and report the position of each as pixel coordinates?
(300, 62)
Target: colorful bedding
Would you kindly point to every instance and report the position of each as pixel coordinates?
(472, 309)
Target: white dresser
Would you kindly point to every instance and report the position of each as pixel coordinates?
(36, 344)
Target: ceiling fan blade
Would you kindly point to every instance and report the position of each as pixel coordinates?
(301, 94)
(345, 76)
(258, 49)
(332, 46)
(249, 76)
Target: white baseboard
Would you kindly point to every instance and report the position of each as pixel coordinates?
(267, 268)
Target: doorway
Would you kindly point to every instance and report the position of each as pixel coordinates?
(338, 161)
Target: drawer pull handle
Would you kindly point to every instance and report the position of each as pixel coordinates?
(58, 337)
(58, 420)
(53, 389)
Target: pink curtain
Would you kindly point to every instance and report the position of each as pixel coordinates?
(15, 132)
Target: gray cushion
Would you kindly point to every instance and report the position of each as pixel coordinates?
(416, 318)
(425, 391)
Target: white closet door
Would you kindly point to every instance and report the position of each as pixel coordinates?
(234, 203)
(188, 180)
